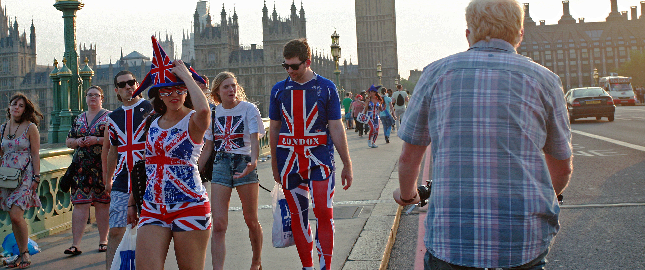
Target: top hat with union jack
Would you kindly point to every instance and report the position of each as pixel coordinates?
(160, 74)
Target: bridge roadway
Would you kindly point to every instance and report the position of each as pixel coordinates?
(364, 216)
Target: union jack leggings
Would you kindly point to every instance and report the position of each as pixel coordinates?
(374, 126)
(298, 201)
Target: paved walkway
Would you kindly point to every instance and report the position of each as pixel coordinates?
(364, 217)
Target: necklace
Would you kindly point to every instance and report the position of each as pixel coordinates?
(11, 137)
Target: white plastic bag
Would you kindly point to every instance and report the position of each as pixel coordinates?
(125, 253)
(282, 235)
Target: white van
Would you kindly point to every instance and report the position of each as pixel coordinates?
(619, 88)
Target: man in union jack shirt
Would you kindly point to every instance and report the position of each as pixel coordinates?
(124, 147)
(305, 126)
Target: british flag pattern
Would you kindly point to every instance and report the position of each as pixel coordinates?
(179, 217)
(304, 149)
(171, 165)
(229, 133)
(126, 130)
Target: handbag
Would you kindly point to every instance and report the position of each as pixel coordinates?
(362, 118)
(9, 177)
(138, 174)
(67, 180)
(125, 254)
(207, 172)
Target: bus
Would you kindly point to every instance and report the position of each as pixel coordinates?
(619, 88)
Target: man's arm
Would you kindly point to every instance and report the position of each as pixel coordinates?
(111, 155)
(560, 171)
(274, 132)
(409, 168)
(337, 132)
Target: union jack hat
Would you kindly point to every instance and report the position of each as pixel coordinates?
(160, 75)
(374, 88)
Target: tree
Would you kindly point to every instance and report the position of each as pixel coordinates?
(634, 68)
(408, 85)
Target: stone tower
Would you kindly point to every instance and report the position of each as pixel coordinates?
(376, 41)
(90, 54)
(215, 42)
(278, 31)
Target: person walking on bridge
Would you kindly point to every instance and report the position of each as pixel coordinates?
(501, 148)
(305, 126)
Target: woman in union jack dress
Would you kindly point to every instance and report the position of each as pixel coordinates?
(235, 135)
(374, 105)
(175, 204)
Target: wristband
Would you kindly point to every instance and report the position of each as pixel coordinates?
(409, 200)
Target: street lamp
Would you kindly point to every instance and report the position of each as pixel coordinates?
(595, 76)
(335, 53)
(379, 72)
(396, 82)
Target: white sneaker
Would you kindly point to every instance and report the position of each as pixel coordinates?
(374, 146)
(369, 144)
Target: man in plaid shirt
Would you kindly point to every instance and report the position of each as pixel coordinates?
(501, 148)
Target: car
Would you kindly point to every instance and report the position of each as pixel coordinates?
(589, 102)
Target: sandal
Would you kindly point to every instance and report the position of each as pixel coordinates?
(24, 263)
(102, 247)
(73, 251)
(14, 263)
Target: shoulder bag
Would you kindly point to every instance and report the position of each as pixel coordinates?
(138, 174)
(207, 172)
(9, 177)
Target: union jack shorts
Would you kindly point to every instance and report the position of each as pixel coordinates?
(179, 217)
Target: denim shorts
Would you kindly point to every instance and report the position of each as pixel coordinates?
(227, 164)
(118, 209)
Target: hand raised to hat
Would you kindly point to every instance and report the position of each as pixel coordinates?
(181, 70)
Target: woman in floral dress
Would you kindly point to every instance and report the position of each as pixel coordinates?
(86, 136)
(20, 150)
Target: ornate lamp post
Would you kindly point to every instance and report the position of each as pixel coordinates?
(70, 81)
(396, 82)
(595, 76)
(379, 72)
(335, 53)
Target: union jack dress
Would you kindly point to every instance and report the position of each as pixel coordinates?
(126, 127)
(171, 165)
(305, 150)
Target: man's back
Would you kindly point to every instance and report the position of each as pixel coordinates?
(490, 114)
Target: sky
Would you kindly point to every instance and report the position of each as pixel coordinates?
(427, 30)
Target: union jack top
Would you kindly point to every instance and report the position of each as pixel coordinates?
(126, 127)
(171, 165)
(305, 150)
(233, 128)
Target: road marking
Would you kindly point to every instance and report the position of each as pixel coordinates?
(621, 143)
(602, 205)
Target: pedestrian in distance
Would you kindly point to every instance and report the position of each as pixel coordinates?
(386, 115)
(86, 137)
(347, 105)
(498, 165)
(123, 147)
(357, 107)
(235, 136)
(305, 126)
(374, 105)
(20, 150)
(400, 99)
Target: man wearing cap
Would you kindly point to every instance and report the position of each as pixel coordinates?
(121, 151)
(305, 126)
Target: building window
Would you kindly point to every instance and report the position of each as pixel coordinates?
(596, 53)
(560, 54)
(547, 55)
(536, 56)
(547, 46)
(535, 47)
(559, 45)
(584, 53)
(610, 61)
(610, 52)
(583, 44)
(572, 54)
(621, 51)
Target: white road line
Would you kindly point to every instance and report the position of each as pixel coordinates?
(621, 143)
(602, 205)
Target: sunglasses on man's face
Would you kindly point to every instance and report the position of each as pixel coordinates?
(292, 66)
(169, 93)
(129, 82)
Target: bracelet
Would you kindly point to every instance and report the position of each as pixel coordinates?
(409, 200)
(34, 177)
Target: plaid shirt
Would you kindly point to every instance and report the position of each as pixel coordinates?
(491, 114)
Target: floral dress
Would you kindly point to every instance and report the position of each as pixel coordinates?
(17, 154)
(89, 174)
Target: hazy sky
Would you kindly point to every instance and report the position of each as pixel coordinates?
(426, 29)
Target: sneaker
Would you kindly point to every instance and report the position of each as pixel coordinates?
(387, 139)
(374, 146)
(369, 144)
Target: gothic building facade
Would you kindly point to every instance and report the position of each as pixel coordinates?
(573, 48)
(258, 67)
(376, 41)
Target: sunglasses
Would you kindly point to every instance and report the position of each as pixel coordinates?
(292, 66)
(130, 83)
(168, 93)
(93, 95)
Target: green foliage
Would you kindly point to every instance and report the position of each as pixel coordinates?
(634, 68)
(408, 85)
